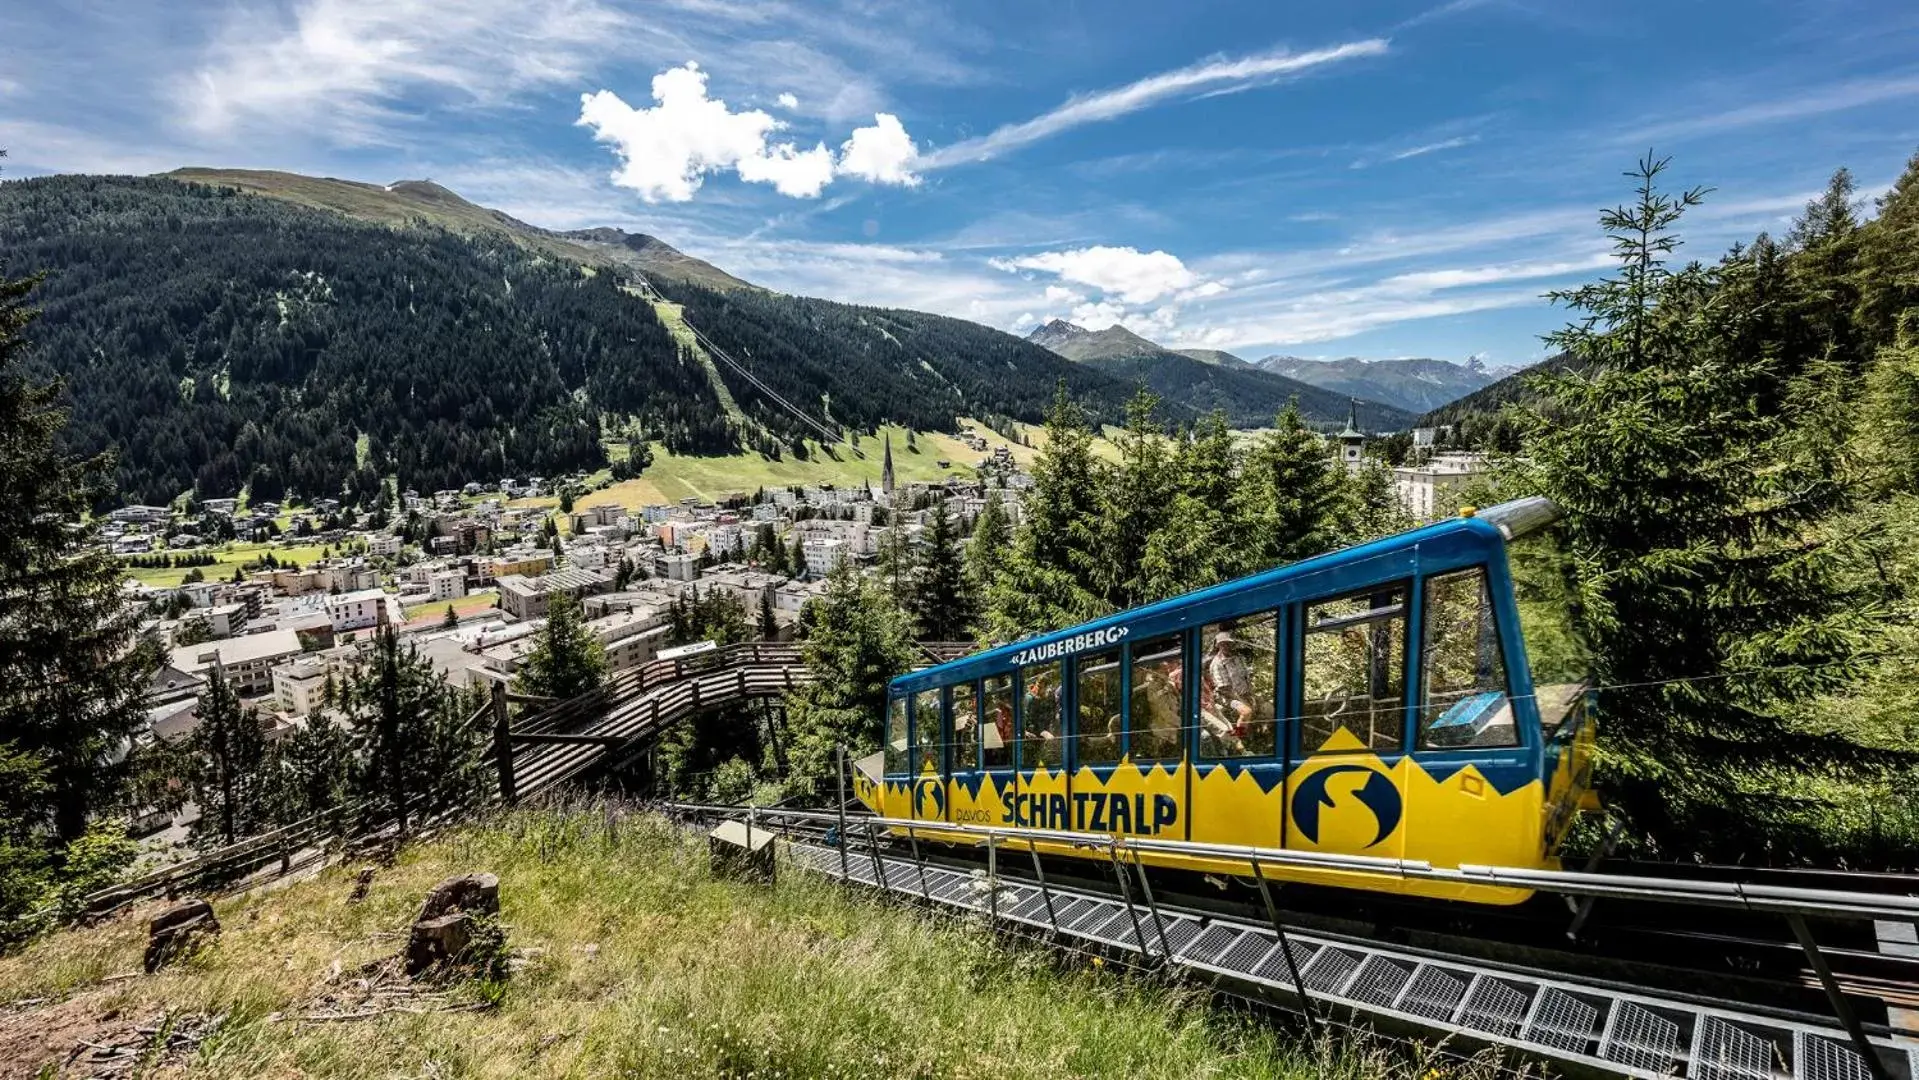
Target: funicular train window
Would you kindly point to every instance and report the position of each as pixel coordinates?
(1353, 671)
(896, 756)
(1154, 723)
(1100, 708)
(1040, 742)
(1237, 664)
(1463, 697)
(928, 740)
(965, 728)
(996, 732)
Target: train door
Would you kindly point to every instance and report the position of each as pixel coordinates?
(1039, 791)
(970, 800)
(1239, 764)
(1473, 797)
(1346, 790)
(998, 742)
(1099, 729)
(1147, 794)
(929, 755)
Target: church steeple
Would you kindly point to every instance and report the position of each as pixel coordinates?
(1352, 441)
(886, 468)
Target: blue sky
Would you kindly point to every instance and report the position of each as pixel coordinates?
(1324, 179)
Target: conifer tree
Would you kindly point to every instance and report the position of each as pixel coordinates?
(452, 619)
(1052, 576)
(1695, 518)
(566, 660)
(228, 752)
(987, 552)
(1133, 503)
(1294, 494)
(769, 626)
(796, 556)
(395, 700)
(1888, 262)
(315, 767)
(856, 642)
(73, 670)
(942, 600)
(897, 564)
(1205, 538)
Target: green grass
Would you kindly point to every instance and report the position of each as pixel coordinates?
(226, 557)
(639, 962)
(466, 605)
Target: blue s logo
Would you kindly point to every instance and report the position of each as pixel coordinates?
(1377, 794)
(926, 791)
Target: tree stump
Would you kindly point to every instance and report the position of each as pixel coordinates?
(444, 928)
(172, 932)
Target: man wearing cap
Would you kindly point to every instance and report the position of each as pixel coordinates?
(1226, 694)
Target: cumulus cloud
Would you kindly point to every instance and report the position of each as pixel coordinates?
(788, 101)
(666, 151)
(1130, 275)
(883, 153)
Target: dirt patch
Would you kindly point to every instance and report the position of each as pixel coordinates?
(90, 1036)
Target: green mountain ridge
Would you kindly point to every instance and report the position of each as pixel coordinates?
(1250, 397)
(219, 329)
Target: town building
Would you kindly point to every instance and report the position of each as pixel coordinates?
(356, 610)
(529, 598)
(1431, 489)
(1352, 441)
(247, 661)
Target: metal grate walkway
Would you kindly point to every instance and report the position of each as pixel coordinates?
(1567, 1022)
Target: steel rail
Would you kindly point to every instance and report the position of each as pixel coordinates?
(1775, 899)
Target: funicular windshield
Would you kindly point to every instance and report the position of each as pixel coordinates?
(1556, 650)
(1464, 698)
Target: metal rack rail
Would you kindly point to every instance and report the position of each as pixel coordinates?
(1575, 1023)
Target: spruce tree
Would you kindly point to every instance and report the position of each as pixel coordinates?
(1053, 574)
(452, 619)
(1133, 503)
(73, 670)
(228, 753)
(1206, 537)
(796, 556)
(856, 641)
(1294, 494)
(769, 626)
(1696, 475)
(986, 553)
(1888, 262)
(566, 659)
(941, 600)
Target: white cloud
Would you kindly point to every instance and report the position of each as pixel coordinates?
(883, 153)
(341, 65)
(788, 101)
(1152, 90)
(1133, 276)
(1814, 102)
(666, 151)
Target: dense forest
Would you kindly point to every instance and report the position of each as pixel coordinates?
(217, 340)
(864, 365)
(1248, 396)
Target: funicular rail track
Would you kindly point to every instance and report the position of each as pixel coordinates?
(1583, 1024)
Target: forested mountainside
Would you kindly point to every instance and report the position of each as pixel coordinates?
(1416, 384)
(861, 365)
(1476, 418)
(417, 202)
(1250, 397)
(216, 339)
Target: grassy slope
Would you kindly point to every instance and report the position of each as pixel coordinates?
(673, 477)
(640, 963)
(226, 557)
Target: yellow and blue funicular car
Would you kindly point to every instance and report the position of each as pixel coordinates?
(1380, 700)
